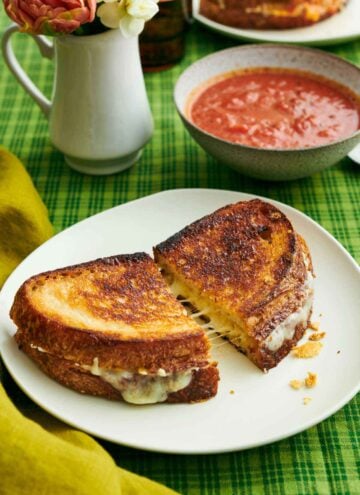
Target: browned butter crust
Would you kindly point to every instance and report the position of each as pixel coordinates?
(246, 261)
(117, 310)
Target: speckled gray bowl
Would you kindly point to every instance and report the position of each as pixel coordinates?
(275, 164)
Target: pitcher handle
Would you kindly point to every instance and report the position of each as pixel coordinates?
(187, 8)
(46, 49)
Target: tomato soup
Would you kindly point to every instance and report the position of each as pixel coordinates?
(275, 108)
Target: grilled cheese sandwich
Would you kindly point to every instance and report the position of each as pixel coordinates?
(111, 327)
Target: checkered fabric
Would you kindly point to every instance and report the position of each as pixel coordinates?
(323, 460)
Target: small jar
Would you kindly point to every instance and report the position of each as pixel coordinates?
(162, 42)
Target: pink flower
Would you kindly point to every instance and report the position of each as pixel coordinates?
(50, 16)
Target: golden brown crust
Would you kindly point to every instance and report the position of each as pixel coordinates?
(119, 293)
(157, 333)
(268, 14)
(203, 385)
(229, 251)
(289, 296)
(175, 354)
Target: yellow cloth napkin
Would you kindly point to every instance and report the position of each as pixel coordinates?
(59, 461)
(24, 223)
(54, 459)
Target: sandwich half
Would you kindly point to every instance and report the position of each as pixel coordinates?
(248, 274)
(112, 328)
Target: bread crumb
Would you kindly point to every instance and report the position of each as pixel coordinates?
(314, 325)
(317, 336)
(296, 384)
(306, 400)
(232, 392)
(338, 352)
(307, 350)
(311, 380)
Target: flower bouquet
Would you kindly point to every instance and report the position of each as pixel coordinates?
(81, 17)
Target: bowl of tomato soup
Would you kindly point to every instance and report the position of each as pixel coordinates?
(272, 112)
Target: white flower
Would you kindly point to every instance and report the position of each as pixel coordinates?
(128, 15)
(142, 9)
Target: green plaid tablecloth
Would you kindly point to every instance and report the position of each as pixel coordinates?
(323, 460)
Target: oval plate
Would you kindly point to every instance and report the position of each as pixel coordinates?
(263, 408)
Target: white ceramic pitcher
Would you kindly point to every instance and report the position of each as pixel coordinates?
(99, 116)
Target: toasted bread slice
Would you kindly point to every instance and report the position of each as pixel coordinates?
(113, 319)
(248, 272)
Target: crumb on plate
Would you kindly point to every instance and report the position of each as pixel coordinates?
(232, 392)
(314, 325)
(307, 350)
(306, 400)
(311, 380)
(296, 384)
(317, 336)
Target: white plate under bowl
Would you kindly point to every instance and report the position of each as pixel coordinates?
(263, 407)
(344, 26)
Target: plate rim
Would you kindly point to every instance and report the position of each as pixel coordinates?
(262, 36)
(197, 450)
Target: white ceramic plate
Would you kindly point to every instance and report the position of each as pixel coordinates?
(339, 28)
(263, 408)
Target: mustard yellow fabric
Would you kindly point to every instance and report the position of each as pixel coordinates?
(51, 459)
(24, 222)
(56, 460)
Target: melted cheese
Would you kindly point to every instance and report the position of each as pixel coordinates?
(38, 348)
(234, 331)
(141, 387)
(219, 321)
(286, 329)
